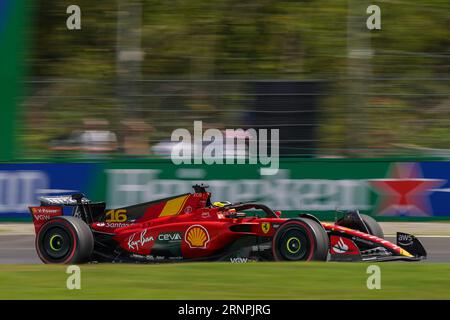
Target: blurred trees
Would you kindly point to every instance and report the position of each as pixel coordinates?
(406, 99)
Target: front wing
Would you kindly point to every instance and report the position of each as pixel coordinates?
(353, 245)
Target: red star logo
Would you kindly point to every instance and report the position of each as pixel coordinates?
(406, 193)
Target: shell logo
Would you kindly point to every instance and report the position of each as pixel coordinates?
(196, 236)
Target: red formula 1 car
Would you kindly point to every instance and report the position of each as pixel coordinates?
(189, 227)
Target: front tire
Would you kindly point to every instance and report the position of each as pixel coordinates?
(373, 226)
(64, 240)
(300, 240)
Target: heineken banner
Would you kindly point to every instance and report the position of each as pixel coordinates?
(386, 189)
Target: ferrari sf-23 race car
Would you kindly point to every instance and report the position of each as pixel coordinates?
(189, 227)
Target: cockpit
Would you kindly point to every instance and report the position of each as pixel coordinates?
(238, 210)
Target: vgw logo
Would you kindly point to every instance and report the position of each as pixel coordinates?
(238, 260)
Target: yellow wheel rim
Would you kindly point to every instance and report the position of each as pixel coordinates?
(55, 242)
(295, 243)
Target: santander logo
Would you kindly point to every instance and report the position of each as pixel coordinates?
(340, 246)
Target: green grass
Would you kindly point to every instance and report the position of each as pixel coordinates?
(227, 281)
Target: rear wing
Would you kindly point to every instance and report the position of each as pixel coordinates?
(66, 200)
(53, 206)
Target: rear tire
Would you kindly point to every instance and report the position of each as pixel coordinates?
(65, 240)
(300, 240)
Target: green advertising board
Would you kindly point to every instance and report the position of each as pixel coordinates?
(13, 20)
(389, 190)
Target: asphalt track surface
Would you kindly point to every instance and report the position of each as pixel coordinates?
(19, 249)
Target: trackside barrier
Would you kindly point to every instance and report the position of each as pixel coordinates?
(390, 189)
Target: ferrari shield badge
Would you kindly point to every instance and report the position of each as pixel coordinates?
(265, 227)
